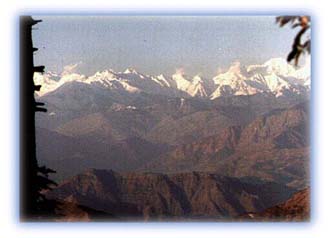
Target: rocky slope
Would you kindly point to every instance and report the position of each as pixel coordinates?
(274, 146)
(296, 208)
(194, 195)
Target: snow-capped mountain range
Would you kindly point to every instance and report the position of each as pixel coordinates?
(275, 76)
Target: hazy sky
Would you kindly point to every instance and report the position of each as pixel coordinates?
(158, 44)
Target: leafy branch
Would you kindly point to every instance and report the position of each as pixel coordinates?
(298, 47)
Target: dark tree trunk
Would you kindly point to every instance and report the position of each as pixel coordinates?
(28, 162)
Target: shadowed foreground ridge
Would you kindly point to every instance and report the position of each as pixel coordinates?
(297, 208)
(154, 196)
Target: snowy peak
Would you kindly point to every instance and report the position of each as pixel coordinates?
(197, 80)
(197, 87)
(198, 91)
(275, 76)
(162, 81)
(104, 78)
(194, 87)
(233, 74)
(130, 71)
(181, 82)
(304, 73)
(51, 81)
(279, 66)
(234, 82)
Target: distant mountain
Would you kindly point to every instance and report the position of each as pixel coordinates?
(273, 146)
(150, 196)
(275, 76)
(257, 88)
(71, 155)
(183, 147)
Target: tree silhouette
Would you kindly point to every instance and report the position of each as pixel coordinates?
(33, 178)
(298, 47)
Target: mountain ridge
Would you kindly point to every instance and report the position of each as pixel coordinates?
(154, 196)
(274, 76)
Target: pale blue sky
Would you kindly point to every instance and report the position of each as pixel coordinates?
(158, 44)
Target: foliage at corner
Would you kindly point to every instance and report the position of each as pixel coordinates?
(299, 46)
